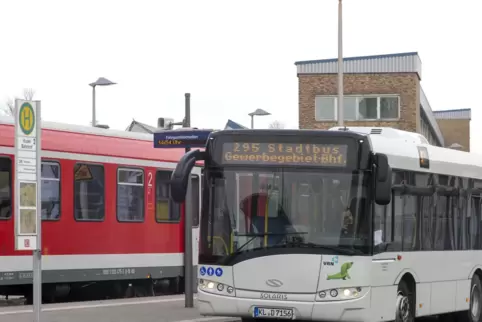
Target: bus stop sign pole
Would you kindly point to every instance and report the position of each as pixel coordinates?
(188, 256)
(186, 138)
(28, 210)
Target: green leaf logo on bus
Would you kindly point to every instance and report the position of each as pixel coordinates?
(343, 274)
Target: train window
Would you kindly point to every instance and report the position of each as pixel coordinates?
(89, 192)
(166, 209)
(195, 200)
(50, 190)
(130, 195)
(5, 188)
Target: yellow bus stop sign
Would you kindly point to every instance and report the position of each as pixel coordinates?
(26, 118)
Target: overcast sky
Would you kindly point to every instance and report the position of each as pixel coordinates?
(232, 56)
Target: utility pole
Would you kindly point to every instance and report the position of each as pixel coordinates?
(341, 115)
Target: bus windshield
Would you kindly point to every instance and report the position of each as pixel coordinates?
(251, 209)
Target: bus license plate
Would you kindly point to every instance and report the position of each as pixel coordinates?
(263, 312)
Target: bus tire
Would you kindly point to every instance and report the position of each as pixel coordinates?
(475, 308)
(405, 303)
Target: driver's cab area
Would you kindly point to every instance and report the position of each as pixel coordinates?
(297, 210)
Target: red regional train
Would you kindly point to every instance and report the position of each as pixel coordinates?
(108, 224)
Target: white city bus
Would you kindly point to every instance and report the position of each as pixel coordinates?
(358, 224)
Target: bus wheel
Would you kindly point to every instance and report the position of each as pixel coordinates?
(475, 299)
(404, 309)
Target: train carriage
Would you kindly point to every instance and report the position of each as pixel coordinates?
(106, 213)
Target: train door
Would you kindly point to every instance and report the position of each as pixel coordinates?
(6, 181)
(163, 206)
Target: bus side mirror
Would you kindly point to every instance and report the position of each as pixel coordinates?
(181, 175)
(383, 180)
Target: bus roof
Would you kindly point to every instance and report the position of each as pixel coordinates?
(401, 148)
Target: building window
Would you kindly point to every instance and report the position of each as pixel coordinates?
(389, 107)
(368, 108)
(324, 108)
(426, 129)
(358, 107)
(350, 106)
(130, 195)
(89, 192)
(50, 190)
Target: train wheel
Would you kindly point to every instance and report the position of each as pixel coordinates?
(130, 291)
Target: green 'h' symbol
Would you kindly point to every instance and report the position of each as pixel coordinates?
(26, 118)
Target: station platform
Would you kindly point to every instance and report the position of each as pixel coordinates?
(148, 309)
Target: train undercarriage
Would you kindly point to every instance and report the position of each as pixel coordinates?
(94, 291)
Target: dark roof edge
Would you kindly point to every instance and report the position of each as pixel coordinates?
(330, 60)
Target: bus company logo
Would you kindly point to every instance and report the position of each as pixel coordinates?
(26, 118)
(333, 262)
(274, 283)
(274, 296)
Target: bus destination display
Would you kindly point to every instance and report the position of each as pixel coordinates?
(308, 154)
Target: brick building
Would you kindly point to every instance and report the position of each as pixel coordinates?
(381, 90)
(455, 127)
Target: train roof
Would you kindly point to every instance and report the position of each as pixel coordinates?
(72, 138)
(401, 148)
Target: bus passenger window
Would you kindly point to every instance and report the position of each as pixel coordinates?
(89, 192)
(383, 226)
(5, 188)
(50, 190)
(195, 200)
(130, 195)
(166, 209)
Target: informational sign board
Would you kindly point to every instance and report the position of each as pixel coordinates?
(27, 174)
(176, 139)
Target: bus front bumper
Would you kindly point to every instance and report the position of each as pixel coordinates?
(343, 310)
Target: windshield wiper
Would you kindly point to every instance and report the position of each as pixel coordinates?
(255, 235)
(344, 250)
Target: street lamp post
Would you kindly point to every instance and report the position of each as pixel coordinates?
(258, 112)
(99, 82)
(340, 65)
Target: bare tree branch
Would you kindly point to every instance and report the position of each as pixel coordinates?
(28, 93)
(10, 107)
(276, 125)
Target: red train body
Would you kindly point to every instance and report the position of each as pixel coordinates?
(106, 211)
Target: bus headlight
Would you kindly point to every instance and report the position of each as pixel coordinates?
(339, 294)
(216, 287)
